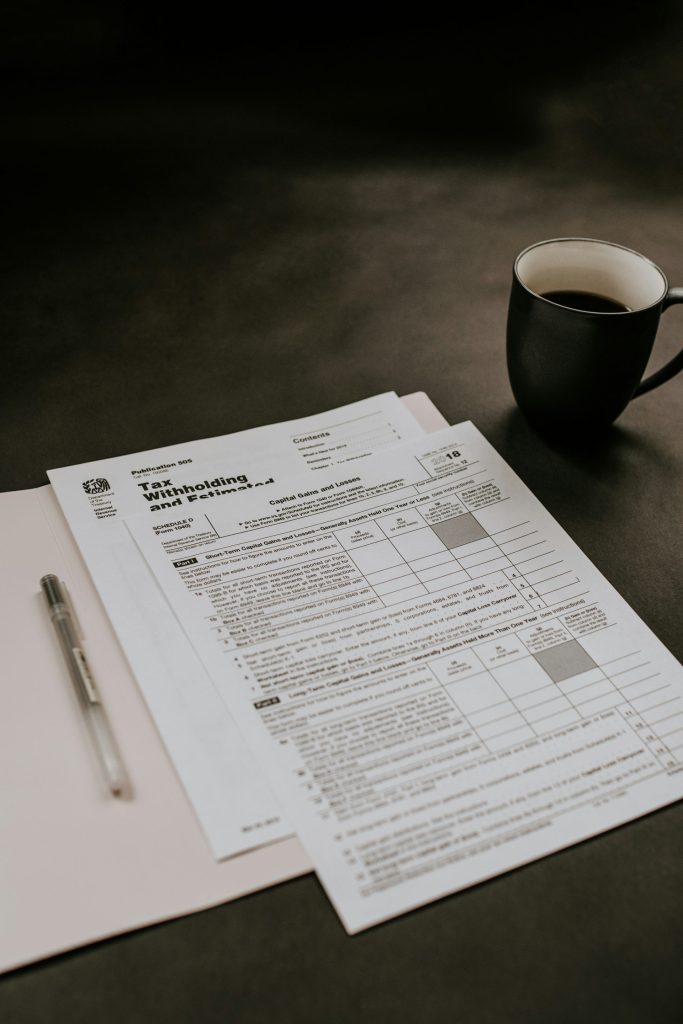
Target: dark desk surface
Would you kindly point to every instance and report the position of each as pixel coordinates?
(196, 253)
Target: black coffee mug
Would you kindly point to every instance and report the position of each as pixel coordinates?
(582, 321)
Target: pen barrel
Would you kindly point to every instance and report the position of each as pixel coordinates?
(103, 739)
(96, 720)
(74, 657)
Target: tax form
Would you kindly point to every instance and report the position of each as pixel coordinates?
(437, 682)
(235, 806)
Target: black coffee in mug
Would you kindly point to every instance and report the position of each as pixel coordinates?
(582, 321)
(587, 301)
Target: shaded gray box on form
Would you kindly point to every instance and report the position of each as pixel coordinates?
(565, 660)
(461, 530)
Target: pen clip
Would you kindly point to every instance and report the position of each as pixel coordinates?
(76, 622)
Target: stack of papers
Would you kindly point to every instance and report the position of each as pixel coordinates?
(374, 638)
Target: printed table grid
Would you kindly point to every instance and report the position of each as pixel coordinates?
(458, 543)
(537, 693)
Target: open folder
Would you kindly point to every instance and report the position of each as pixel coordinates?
(77, 865)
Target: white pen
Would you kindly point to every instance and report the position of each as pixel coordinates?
(81, 677)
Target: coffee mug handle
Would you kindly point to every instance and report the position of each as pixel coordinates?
(670, 369)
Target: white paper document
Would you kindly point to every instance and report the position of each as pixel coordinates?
(438, 684)
(233, 802)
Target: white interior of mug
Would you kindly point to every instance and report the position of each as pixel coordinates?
(589, 265)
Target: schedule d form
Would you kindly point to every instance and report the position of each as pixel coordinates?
(438, 684)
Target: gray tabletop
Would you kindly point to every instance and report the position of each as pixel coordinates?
(198, 249)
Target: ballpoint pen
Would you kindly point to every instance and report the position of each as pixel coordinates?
(98, 725)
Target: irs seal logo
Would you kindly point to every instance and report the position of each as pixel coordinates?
(98, 486)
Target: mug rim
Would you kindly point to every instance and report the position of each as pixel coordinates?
(598, 241)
